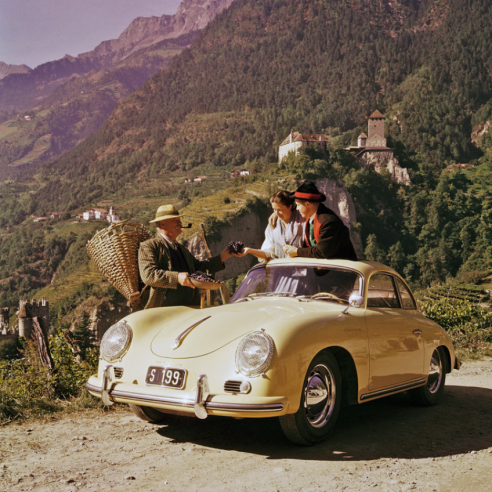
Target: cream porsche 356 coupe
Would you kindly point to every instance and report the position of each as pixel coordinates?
(298, 337)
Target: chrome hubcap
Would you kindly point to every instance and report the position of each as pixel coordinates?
(319, 396)
(435, 373)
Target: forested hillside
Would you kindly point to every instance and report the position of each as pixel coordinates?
(266, 66)
(263, 67)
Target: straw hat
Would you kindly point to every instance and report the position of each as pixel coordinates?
(165, 212)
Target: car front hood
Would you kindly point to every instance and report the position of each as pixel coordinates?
(210, 329)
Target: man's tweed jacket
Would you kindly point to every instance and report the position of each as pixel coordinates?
(154, 261)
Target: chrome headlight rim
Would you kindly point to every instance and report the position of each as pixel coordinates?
(118, 355)
(259, 369)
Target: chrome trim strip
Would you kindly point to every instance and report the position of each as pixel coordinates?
(266, 407)
(179, 338)
(400, 387)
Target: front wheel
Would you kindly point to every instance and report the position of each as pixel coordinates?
(320, 403)
(148, 414)
(432, 392)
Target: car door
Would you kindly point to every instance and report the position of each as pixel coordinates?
(395, 345)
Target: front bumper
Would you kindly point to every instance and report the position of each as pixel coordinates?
(198, 402)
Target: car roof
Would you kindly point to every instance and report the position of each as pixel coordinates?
(363, 266)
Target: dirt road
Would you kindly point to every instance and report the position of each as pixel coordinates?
(386, 445)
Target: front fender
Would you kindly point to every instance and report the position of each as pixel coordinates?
(297, 343)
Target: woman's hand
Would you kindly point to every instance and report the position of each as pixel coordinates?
(245, 251)
(272, 220)
(290, 250)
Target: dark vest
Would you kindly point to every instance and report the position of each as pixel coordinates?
(182, 296)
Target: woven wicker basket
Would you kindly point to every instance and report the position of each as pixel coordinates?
(114, 251)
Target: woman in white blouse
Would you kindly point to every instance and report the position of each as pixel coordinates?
(288, 229)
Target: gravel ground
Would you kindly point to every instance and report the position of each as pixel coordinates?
(385, 445)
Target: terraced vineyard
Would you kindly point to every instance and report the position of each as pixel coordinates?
(465, 312)
(465, 292)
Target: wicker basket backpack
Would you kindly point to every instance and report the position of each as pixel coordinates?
(114, 251)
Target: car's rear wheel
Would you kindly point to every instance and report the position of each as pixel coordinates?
(148, 414)
(432, 392)
(320, 403)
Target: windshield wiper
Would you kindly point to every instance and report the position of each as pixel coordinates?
(253, 295)
(272, 294)
(322, 296)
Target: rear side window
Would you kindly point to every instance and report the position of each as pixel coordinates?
(381, 292)
(407, 301)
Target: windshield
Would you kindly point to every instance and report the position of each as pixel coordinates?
(295, 280)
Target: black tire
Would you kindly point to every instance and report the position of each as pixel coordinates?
(315, 420)
(148, 414)
(432, 392)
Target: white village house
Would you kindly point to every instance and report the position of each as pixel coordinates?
(112, 216)
(101, 214)
(296, 140)
(95, 213)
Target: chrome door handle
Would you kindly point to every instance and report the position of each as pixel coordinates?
(417, 332)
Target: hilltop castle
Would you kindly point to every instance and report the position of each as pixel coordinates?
(28, 311)
(372, 151)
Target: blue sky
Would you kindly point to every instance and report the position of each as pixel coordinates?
(37, 31)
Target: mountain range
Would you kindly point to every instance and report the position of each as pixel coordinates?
(57, 105)
(22, 91)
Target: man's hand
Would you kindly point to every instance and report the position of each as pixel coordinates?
(184, 280)
(226, 254)
(290, 250)
(272, 220)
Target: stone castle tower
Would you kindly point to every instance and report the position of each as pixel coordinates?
(28, 311)
(375, 130)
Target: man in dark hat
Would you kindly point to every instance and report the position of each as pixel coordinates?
(325, 235)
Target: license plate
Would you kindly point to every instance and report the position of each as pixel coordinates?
(166, 376)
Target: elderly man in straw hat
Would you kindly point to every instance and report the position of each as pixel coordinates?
(165, 265)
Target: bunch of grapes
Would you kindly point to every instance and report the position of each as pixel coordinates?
(204, 277)
(236, 247)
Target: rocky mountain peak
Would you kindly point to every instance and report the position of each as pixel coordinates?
(6, 69)
(192, 15)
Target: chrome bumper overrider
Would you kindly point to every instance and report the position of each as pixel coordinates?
(199, 404)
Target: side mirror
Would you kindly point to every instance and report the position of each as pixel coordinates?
(356, 300)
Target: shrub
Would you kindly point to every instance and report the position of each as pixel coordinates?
(468, 324)
(28, 388)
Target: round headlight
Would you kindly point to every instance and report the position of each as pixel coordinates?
(254, 354)
(116, 341)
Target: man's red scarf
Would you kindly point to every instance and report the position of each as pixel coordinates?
(316, 228)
